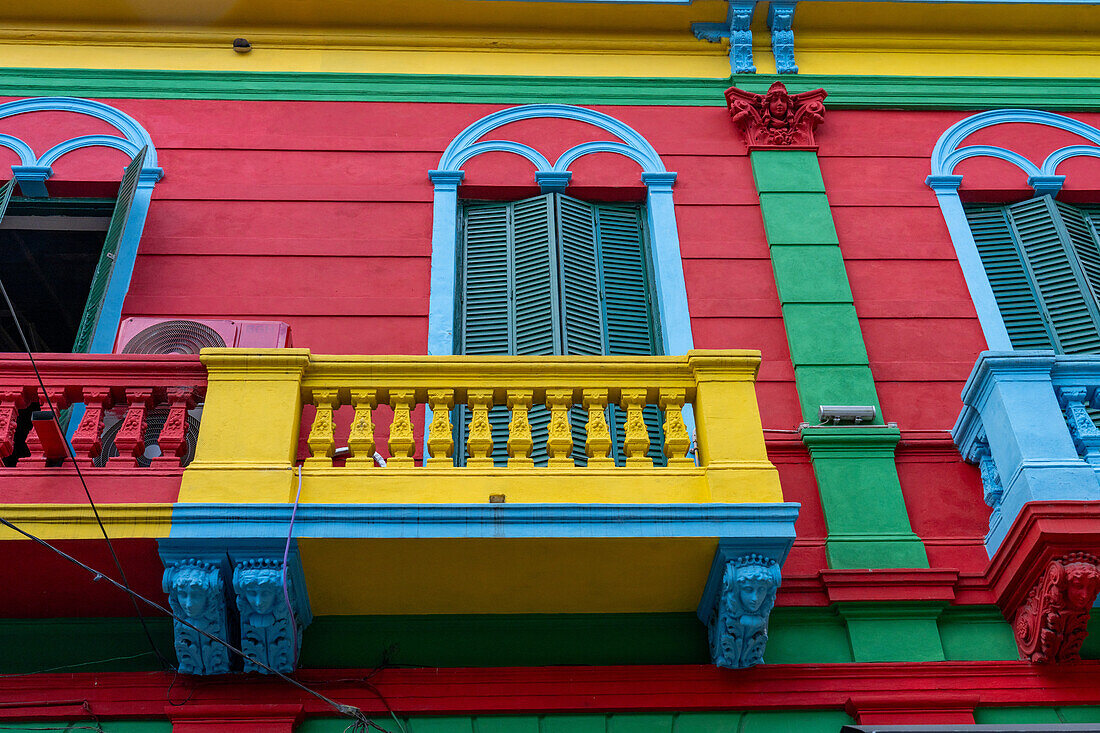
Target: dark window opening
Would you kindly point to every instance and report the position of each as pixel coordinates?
(49, 249)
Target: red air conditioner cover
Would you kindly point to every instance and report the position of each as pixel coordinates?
(188, 335)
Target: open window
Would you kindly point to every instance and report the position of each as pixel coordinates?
(57, 256)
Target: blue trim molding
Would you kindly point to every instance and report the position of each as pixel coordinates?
(34, 170)
(761, 528)
(1043, 179)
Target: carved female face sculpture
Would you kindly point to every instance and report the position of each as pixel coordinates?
(1081, 585)
(753, 588)
(192, 591)
(259, 587)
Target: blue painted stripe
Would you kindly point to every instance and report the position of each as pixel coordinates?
(769, 523)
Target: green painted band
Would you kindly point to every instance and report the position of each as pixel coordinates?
(845, 92)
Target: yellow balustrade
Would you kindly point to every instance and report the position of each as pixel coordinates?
(251, 429)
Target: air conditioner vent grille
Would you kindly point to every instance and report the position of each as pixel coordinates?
(154, 423)
(174, 337)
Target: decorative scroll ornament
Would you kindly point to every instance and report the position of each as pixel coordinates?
(196, 594)
(777, 119)
(268, 633)
(1051, 624)
(739, 624)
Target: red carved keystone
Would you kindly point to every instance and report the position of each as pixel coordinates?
(777, 119)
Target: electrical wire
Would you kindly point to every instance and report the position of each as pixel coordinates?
(286, 556)
(72, 458)
(73, 666)
(349, 710)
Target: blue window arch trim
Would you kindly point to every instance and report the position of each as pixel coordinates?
(34, 170)
(1043, 178)
(667, 265)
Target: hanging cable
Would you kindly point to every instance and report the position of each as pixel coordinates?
(286, 556)
(348, 710)
(72, 458)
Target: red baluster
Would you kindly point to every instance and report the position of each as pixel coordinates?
(11, 402)
(85, 440)
(130, 438)
(173, 436)
(37, 458)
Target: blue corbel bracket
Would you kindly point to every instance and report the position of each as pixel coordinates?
(1046, 185)
(738, 30)
(553, 181)
(201, 577)
(271, 632)
(737, 620)
(780, 19)
(32, 179)
(197, 586)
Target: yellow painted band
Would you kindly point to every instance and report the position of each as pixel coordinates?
(77, 521)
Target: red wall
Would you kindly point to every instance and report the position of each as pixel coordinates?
(319, 214)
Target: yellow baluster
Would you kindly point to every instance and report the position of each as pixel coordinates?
(677, 440)
(636, 440)
(321, 442)
(361, 437)
(520, 443)
(598, 442)
(441, 440)
(559, 444)
(402, 443)
(479, 441)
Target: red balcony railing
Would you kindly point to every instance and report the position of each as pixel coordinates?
(138, 411)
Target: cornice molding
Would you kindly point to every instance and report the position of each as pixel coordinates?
(845, 92)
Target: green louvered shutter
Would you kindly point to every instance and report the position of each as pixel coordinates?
(106, 265)
(5, 196)
(535, 295)
(1084, 244)
(630, 325)
(1008, 278)
(554, 275)
(1058, 279)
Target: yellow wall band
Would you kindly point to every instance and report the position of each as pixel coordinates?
(77, 522)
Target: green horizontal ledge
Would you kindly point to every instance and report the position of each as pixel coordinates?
(845, 92)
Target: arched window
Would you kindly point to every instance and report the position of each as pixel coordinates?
(1032, 267)
(111, 227)
(554, 274)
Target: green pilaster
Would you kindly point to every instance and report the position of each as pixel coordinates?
(854, 466)
(893, 632)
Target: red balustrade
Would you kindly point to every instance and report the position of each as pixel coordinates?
(137, 392)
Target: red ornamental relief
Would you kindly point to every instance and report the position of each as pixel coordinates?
(1051, 624)
(777, 119)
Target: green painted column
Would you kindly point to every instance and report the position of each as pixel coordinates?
(893, 632)
(854, 465)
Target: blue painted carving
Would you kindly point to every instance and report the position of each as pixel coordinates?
(1016, 406)
(992, 490)
(780, 20)
(949, 151)
(196, 593)
(550, 181)
(738, 626)
(738, 29)
(270, 631)
(33, 171)
(1082, 429)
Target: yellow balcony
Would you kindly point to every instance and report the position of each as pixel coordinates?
(425, 535)
(254, 410)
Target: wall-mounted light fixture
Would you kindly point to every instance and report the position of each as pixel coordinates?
(837, 414)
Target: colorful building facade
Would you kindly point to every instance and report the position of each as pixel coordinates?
(620, 366)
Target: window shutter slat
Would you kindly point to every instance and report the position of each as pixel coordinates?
(534, 293)
(106, 265)
(1063, 292)
(583, 328)
(485, 314)
(1008, 278)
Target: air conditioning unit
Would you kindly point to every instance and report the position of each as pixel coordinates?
(188, 336)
